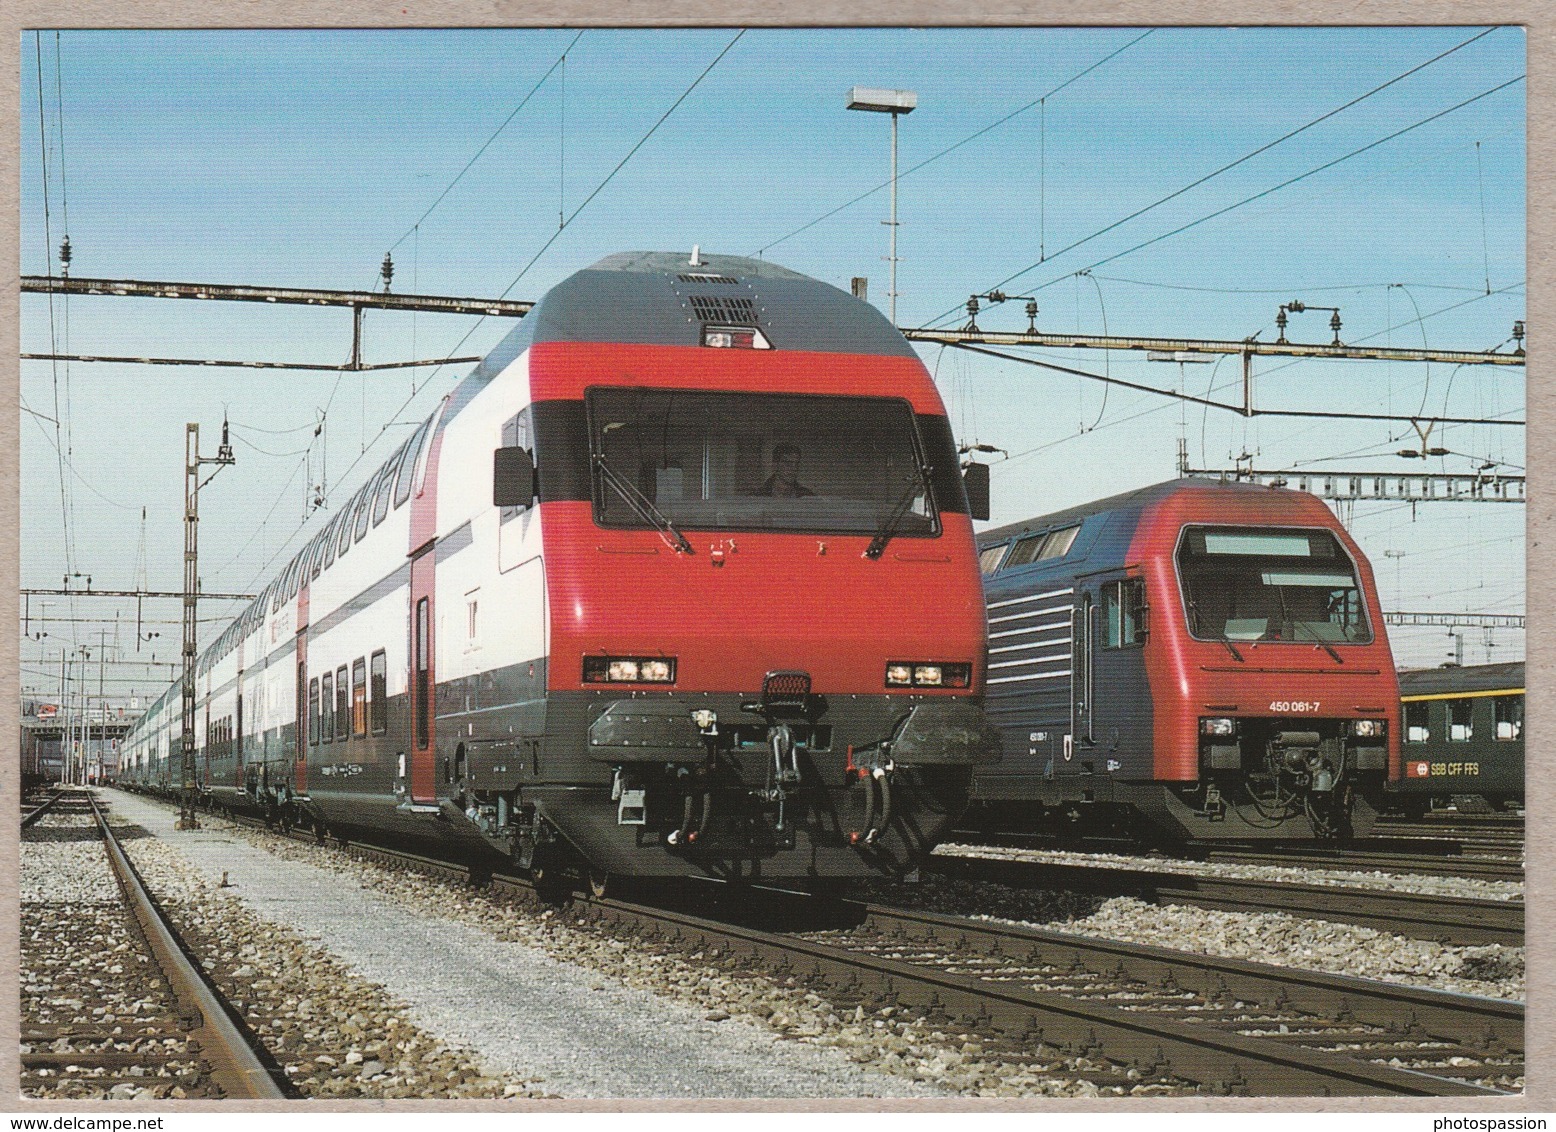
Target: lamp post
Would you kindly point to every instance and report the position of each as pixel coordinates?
(893, 102)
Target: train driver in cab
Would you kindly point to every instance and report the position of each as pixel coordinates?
(784, 483)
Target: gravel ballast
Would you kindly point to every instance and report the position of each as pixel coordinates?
(553, 1027)
(546, 1007)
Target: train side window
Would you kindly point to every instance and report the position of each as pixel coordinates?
(1461, 720)
(386, 486)
(1025, 551)
(329, 541)
(359, 696)
(342, 705)
(516, 434)
(313, 712)
(402, 482)
(365, 507)
(1508, 713)
(1056, 544)
(327, 705)
(347, 520)
(1418, 728)
(989, 558)
(378, 693)
(424, 457)
(1124, 613)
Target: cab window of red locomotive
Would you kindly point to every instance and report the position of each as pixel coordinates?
(342, 705)
(762, 461)
(378, 693)
(1461, 720)
(327, 705)
(1508, 714)
(989, 558)
(359, 696)
(1270, 584)
(1418, 727)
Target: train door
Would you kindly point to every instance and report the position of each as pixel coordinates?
(1082, 676)
(1122, 724)
(300, 727)
(237, 739)
(422, 739)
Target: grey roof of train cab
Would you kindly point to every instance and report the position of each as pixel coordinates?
(1125, 501)
(664, 299)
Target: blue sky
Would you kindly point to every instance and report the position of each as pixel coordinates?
(298, 158)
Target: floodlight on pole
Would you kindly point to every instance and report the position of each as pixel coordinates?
(893, 102)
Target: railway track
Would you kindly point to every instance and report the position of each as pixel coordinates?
(113, 1005)
(1427, 852)
(1139, 1016)
(1363, 860)
(1135, 1017)
(1445, 919)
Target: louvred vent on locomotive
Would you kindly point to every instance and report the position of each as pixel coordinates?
(728, 321)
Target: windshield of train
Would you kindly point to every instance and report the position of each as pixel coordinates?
(754, 461)
(1265, 584)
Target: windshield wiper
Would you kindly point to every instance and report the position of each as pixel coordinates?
(1194, 627)
(883, 536)
(644, 507)
(1319, 642)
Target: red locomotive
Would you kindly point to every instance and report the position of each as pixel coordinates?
(646, 595)
(1208, 657)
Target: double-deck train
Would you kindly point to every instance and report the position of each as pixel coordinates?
(645, 595)
(1194, 659)
(1463, 737)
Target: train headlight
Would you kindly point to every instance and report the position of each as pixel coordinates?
(1369, 728)
(1218, 725)
(927, 674)
(629, 670)
(735, 338)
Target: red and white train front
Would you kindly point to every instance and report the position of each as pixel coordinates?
(739, 625)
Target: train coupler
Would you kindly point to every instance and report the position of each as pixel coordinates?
(1215, 806)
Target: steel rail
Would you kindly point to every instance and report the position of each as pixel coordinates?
(1451, 865)
(235, 1067)
(1446, 919)
(31, 817)
(1222, 1062)
(1399, 1009)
